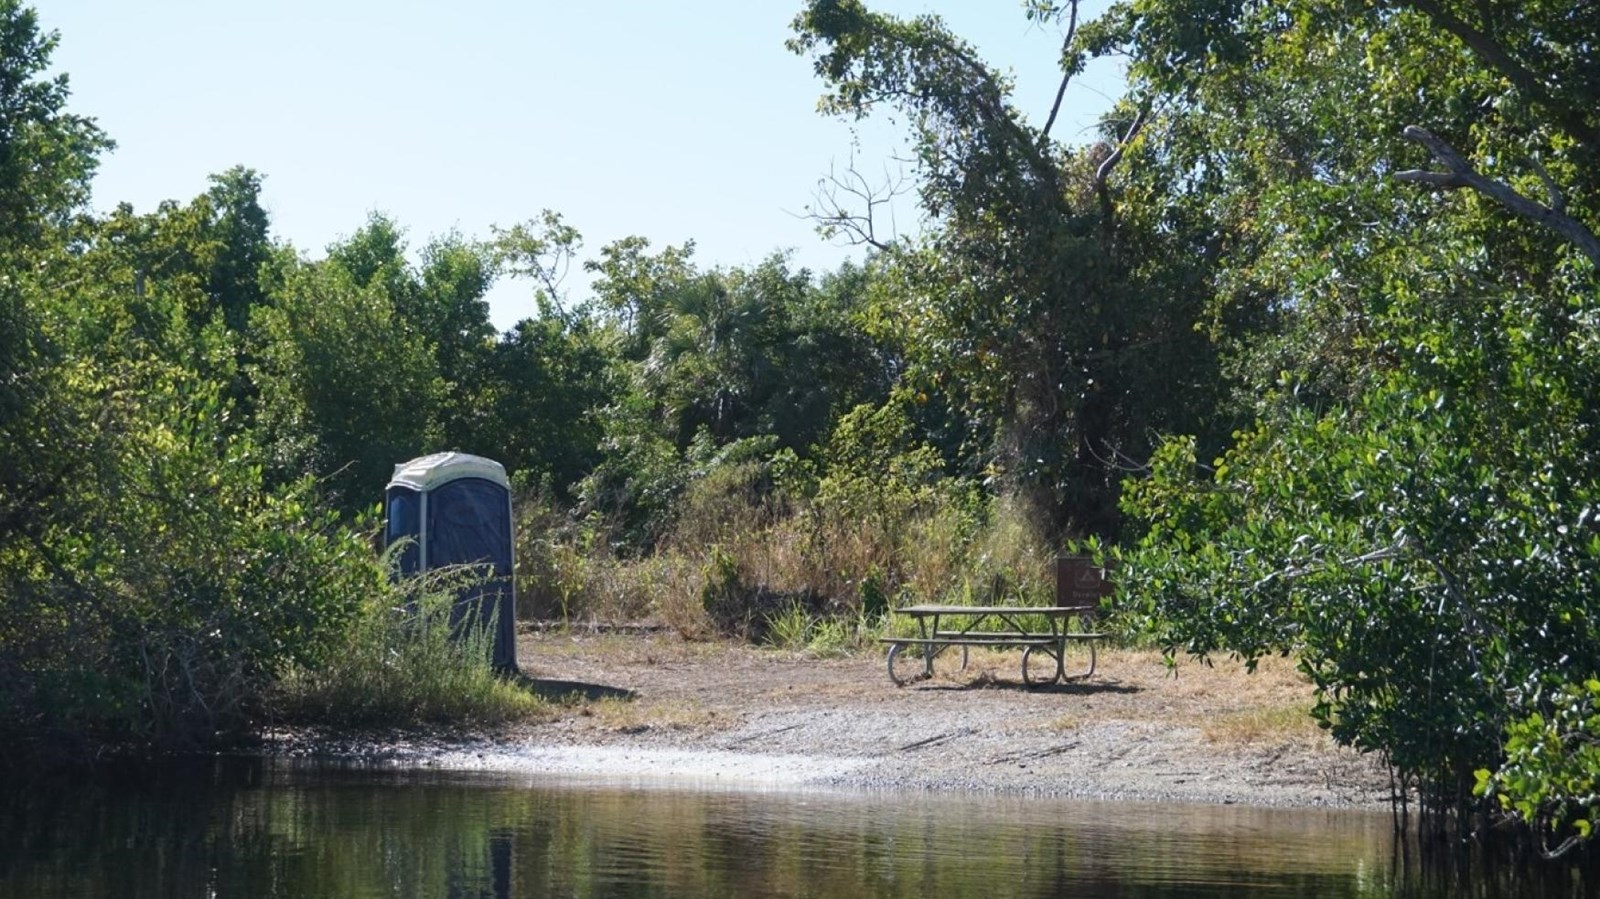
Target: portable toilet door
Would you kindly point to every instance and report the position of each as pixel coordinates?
(456, 509)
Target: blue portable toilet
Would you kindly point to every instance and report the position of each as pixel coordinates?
(456, 509)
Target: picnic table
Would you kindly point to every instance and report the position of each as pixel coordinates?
(1043, 633)
(1044, 650)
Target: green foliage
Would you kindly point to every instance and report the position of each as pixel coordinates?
(1055, 321)
(797, 630)
(407, 660)
(47, 155)
(874, 471)
(1427, 554)
(335, 352)
(1551, 774)
(166, 586)
(723, 594)
(790, 628)
(237, 227)
(543, 250)
(534, 401)
(151, 585)
(1411, 512)
(716, 366)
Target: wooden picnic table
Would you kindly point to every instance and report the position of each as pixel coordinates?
(1044, 650)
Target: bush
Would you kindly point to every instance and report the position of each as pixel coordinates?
(406, 662)
(165, 586)
(1429, 563)
(1551, 776)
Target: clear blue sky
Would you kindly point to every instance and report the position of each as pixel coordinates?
(676, 121)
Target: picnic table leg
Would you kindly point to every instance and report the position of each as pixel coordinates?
(1056, 652)
(1086, 672)
(1090, 672)
(1036, 671)
(902, 677)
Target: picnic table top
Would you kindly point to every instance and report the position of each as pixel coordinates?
(930, 610)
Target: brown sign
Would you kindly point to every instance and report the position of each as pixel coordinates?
(1080, 582)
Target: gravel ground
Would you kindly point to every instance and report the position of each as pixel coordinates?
(653, 707)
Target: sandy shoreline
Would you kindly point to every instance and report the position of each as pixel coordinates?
(652, 708)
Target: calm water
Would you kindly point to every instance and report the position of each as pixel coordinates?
(249, 828)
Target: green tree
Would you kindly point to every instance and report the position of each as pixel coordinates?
(348, 388)
(1034, 302)
(1412, 511)
(239, 227)
(150, 585)
(47, 154)
(535, 410)
(722, 364)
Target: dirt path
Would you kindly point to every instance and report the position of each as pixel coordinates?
(658, 707)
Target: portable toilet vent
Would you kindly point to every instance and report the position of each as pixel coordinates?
(456, 510)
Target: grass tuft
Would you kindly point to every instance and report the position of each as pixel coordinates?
(1264, 725)
(406, 664)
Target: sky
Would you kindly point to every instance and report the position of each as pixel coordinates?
(675, 121)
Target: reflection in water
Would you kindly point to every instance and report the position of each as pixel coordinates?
(253, 828)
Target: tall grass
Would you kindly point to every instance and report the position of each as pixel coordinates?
(407, 663)
(803, 572)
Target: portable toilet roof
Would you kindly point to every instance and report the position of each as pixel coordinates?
(427, 472)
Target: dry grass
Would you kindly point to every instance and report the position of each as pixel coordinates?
(1064, 724)
(942, 548)
(635, 716)
(1264, 725)
(1229, 704)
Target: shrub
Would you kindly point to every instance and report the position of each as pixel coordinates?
(406, 662)
(164, 588)
(1551, 775)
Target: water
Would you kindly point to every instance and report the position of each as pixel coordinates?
(276, 829)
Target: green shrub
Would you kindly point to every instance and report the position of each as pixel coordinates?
(1551, 775)
(791, 628)
(407, 663)
(158, 596)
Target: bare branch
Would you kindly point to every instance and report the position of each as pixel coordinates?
(1566, 846)
(1445, 180)
(848, 204)
(1066, 76)
(1460, 173)
(1295, 572)
(1104, 171)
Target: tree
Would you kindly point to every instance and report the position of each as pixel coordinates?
(239, 227)
(1033, 301)
(722, 364)
(1412, 511)
(151, 586)
(535, 407)
(47, 155)
(347, 387)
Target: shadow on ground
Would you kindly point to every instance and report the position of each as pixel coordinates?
(565, 689)
(1069, 688)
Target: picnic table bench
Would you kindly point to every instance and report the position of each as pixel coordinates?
(939, 628)
(1079, 588)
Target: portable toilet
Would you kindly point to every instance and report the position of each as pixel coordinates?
(456, 510)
